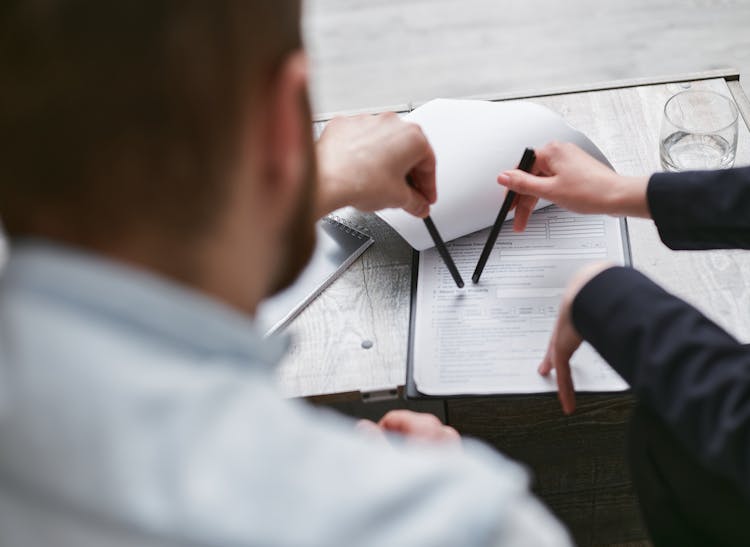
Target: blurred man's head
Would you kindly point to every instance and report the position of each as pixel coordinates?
(171, 134)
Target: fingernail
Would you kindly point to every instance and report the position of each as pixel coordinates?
(503, 178)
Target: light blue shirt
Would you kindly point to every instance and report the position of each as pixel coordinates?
(134, 411)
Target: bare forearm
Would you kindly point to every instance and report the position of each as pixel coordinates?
(628, 198)
(330, 195)
(566, 175)
(364, 161)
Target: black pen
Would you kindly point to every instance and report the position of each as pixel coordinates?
(527, 162)
(442, 249)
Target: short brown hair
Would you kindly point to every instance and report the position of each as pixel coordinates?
(127, 113)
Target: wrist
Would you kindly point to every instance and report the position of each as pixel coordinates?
(629, 197)
(325, 200)
(330, 194)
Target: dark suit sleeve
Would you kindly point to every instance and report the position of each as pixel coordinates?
(702, 209)
(687, 369)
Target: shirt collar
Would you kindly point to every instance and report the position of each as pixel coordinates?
(144, 300)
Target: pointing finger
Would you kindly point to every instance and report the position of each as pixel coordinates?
(524, 183)
(524, 208)
(565, 388)
(545, 367)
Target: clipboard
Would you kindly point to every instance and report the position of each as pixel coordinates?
(410, 390)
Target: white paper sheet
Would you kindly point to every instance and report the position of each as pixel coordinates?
(489, 338)
(474, 141)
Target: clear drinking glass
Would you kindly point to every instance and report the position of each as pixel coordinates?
(699, 131)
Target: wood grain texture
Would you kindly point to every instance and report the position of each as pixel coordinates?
(625, 124)
(728, 74)
(578, 463)
(741, 100)
(380, 52)
(370, 301)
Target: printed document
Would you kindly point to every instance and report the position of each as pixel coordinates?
(489, 338)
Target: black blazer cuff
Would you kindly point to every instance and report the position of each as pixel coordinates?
(701, 209)
(665, 195)
(605, 311)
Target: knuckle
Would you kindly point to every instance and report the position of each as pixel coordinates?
(434, 420)
(390, 415)
(524, 207)
(518, 179)
(431, 422)
(335, 122)
(451, 431)
(415, 132)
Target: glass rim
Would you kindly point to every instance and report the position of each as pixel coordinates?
(733, 107)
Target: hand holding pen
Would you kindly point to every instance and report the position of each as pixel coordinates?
(526, 163)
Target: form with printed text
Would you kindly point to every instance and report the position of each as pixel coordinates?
(489, 338)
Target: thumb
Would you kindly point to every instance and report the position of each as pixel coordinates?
(523, 183)
(415, 203)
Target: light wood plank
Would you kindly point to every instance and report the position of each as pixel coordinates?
(578, 462)
(369, 302)
(728, 74)
(380, 52)
(741, 99)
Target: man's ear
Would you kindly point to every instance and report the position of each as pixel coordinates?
(285, 131)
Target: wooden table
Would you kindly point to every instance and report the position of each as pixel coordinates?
(578, 462)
